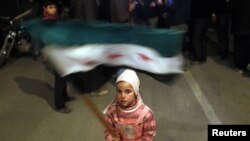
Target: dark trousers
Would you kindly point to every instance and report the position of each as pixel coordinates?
(60, 93)
(104, 13)
(199, 30)
(241, 51)
(86, 10)
(222, 28)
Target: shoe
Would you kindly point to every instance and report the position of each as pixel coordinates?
(240, 72)
(64, 110)
(35, 55)
(199, 62)
(187, 65)
(70, 98)
(100, 93)
(248, 67)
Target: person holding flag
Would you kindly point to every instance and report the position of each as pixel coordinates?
(50, 14)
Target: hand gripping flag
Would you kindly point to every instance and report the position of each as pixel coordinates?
(90, 53)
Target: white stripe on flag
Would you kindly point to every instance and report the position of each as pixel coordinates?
(84, 58)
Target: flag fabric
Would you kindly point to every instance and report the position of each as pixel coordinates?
(87, 57)
(92, 52)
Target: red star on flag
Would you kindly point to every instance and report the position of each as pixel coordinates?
(144, 57)
(115, 55)
(87, 62)
(90, 62)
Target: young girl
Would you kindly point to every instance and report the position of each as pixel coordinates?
(127, 116)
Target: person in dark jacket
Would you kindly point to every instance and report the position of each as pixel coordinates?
(240, 11)
(222, 19)
(201, 16)
(104, 12)
(119, 11)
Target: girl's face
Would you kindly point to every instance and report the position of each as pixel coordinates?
(125, 94)
(51, 9)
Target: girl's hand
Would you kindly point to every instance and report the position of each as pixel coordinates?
(115, 135)
(115, 139)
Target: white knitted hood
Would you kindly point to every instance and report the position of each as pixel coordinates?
(131, 77)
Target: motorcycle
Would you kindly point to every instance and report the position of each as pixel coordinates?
(16, 38)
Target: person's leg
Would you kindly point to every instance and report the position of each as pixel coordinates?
(223, 35)
(239, 53)
(77, 8)
(104, 13)
(60, 94)
(90, 10)
(102, 92)
(199, 39)
(1, 37)
(184, 28)
(152, 22)
(248, 53)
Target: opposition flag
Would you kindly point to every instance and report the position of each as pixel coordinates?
(92, 52)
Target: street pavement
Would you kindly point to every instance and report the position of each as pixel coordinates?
(209, 93)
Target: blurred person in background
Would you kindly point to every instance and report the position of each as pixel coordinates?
(201, 18)
(145, 12)
(240, 11)
(86, 10)
(221, 18)
(176, 16)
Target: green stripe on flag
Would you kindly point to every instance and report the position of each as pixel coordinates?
(72, 32)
